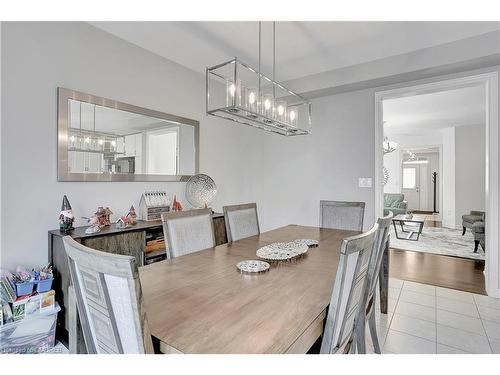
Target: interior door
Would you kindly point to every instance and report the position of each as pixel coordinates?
(411, 186)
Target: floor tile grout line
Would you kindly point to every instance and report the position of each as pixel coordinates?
(411, 334)
(482, 323)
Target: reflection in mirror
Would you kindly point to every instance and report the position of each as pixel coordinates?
(106, 140)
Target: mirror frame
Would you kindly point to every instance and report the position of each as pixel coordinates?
(63, 95)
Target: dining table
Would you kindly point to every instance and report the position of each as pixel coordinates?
(201, 303)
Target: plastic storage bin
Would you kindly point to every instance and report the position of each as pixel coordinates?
(43, 286)
(24, 289)
(31, 335)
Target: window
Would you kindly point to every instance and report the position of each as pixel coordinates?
(409, 178)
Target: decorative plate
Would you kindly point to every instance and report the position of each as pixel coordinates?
(253, 266)
(308, 242)
(200, 190)
(282, 251)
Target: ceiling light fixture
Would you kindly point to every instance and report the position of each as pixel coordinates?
(389, 146)
(238, 92)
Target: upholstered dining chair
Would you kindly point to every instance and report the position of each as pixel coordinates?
(109, 300)
(188, 231)
(368, 313)
(241, 221)
(341, 215)
(339, 335)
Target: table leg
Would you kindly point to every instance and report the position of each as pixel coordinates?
(383, 279)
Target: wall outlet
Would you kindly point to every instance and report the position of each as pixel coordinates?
(365, 182)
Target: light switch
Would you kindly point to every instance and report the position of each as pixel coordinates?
(365, 182)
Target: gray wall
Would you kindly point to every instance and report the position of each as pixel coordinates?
(285, 176)
(470, 167)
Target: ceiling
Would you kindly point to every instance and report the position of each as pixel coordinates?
(302, 48)
(419, 114)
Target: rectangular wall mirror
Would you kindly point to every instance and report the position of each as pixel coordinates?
(104, 140)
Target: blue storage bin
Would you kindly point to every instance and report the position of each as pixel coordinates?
(43, 286)
(24, 289)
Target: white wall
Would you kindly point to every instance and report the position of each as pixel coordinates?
(470, 170)
(448, 179)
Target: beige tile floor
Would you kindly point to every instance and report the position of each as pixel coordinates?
(424, 319)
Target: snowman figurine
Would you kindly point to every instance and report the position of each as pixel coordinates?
(66, 217)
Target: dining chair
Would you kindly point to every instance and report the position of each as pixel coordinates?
(188, 231)
(339, 335)
(109, 300)
(342, 215)
(242, 221)
(368, 313)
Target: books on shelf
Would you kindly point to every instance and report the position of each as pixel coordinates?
(7, 293)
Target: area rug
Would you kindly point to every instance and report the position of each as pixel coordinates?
(441, 241)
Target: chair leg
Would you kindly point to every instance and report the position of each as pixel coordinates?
(373, 332)
(476, 245)
(360, 335)
(463, 231)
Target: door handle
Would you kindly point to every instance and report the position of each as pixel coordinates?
(417, 189)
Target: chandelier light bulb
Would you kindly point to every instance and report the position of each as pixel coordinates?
(292, 115)
(100, 141)
(251, 98)
(113, 143)
(87, 140)
(267, 104)
(72, 138)
(232, 89)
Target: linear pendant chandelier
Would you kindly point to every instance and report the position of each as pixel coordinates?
(236, 91)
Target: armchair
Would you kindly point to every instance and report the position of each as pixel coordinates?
(469, 220)
(395, 203)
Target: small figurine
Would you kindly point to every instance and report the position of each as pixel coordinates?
(102, 215)
(122, 222)
(176, 205)
(132, 216)
(66, 217)
(94, 225)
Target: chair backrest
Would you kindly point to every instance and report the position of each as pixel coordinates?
(109, 300)
(241, 221)
(348, 292)
(188, 231)
(379, 244)
(342, 215)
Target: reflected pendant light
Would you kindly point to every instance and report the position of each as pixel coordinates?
(389, 146)
(236, 91)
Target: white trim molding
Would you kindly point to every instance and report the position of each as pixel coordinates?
(490, 83)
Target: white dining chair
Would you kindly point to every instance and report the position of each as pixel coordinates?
(109, 301)
(339, 335)
(188, 231)
(368, 313)
(242, 221)
(342, 215)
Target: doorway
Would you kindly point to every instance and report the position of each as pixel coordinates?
(489, 83)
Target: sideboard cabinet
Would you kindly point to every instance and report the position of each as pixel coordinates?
(131, 241)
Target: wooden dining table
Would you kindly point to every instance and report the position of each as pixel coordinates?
(201, 303)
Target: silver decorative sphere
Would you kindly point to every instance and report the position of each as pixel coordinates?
(200, 190)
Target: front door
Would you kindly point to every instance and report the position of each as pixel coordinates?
(411, 184)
